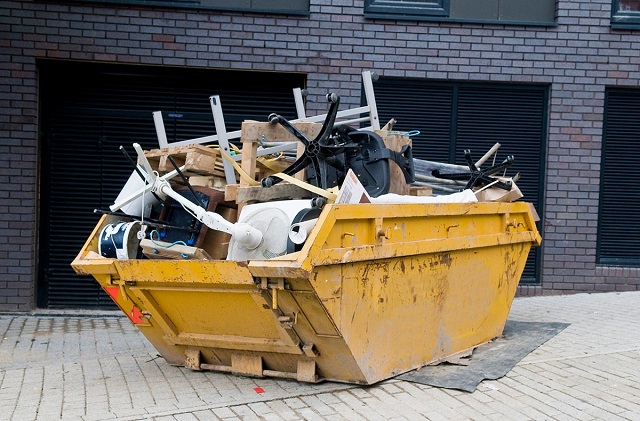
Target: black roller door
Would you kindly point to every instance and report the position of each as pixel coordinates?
(454, 116)
(87, 112)
(618, 229)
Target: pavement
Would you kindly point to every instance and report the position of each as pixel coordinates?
(97, 366)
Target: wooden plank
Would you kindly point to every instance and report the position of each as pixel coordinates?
(180, 150)
(306, 371)
(210, 181)
(248, 162)
(231, 192)
(196, 161)
(192, 359)
(164, 165)
(257, 131)
(278, 192)
(248, 365)
(420, 191)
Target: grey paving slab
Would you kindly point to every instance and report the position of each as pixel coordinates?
(98, 367)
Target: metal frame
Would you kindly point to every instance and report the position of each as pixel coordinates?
(371, 108)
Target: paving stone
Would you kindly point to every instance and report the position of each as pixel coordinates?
(99, 369)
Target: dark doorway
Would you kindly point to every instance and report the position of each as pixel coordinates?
(87, 111)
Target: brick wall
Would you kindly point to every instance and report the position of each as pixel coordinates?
(577, 58)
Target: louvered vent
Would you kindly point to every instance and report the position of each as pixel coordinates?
(452, 117)
(88, 111)
(618, 230)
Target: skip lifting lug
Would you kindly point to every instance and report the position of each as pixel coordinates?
(280, 285)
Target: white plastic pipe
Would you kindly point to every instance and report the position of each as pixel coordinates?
(299, 232)
(243, 233)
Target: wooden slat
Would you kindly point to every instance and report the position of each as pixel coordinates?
(256, 131)
(280, 191)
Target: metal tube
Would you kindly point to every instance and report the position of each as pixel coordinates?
(486, 156)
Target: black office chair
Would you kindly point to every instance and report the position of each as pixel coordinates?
(335, 150)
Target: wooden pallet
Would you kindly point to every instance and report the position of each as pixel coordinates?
(198, 160)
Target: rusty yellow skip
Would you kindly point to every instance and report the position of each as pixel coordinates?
(377, 290)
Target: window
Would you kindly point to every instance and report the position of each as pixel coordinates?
(291, 7)
(414, 8)
(625, 14)
(628, 6)
(519, 12)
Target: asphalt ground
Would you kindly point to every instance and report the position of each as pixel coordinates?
(98, 366)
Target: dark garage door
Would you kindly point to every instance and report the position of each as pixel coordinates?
(452, 117)
(87, 112)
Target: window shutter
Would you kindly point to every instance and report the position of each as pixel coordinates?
(513, 116)
(618, 230)
(452, 117)
(89, 110)
(425, 107)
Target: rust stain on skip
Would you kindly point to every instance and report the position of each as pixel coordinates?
(375, 266)
(399, 265)
(443, 259)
